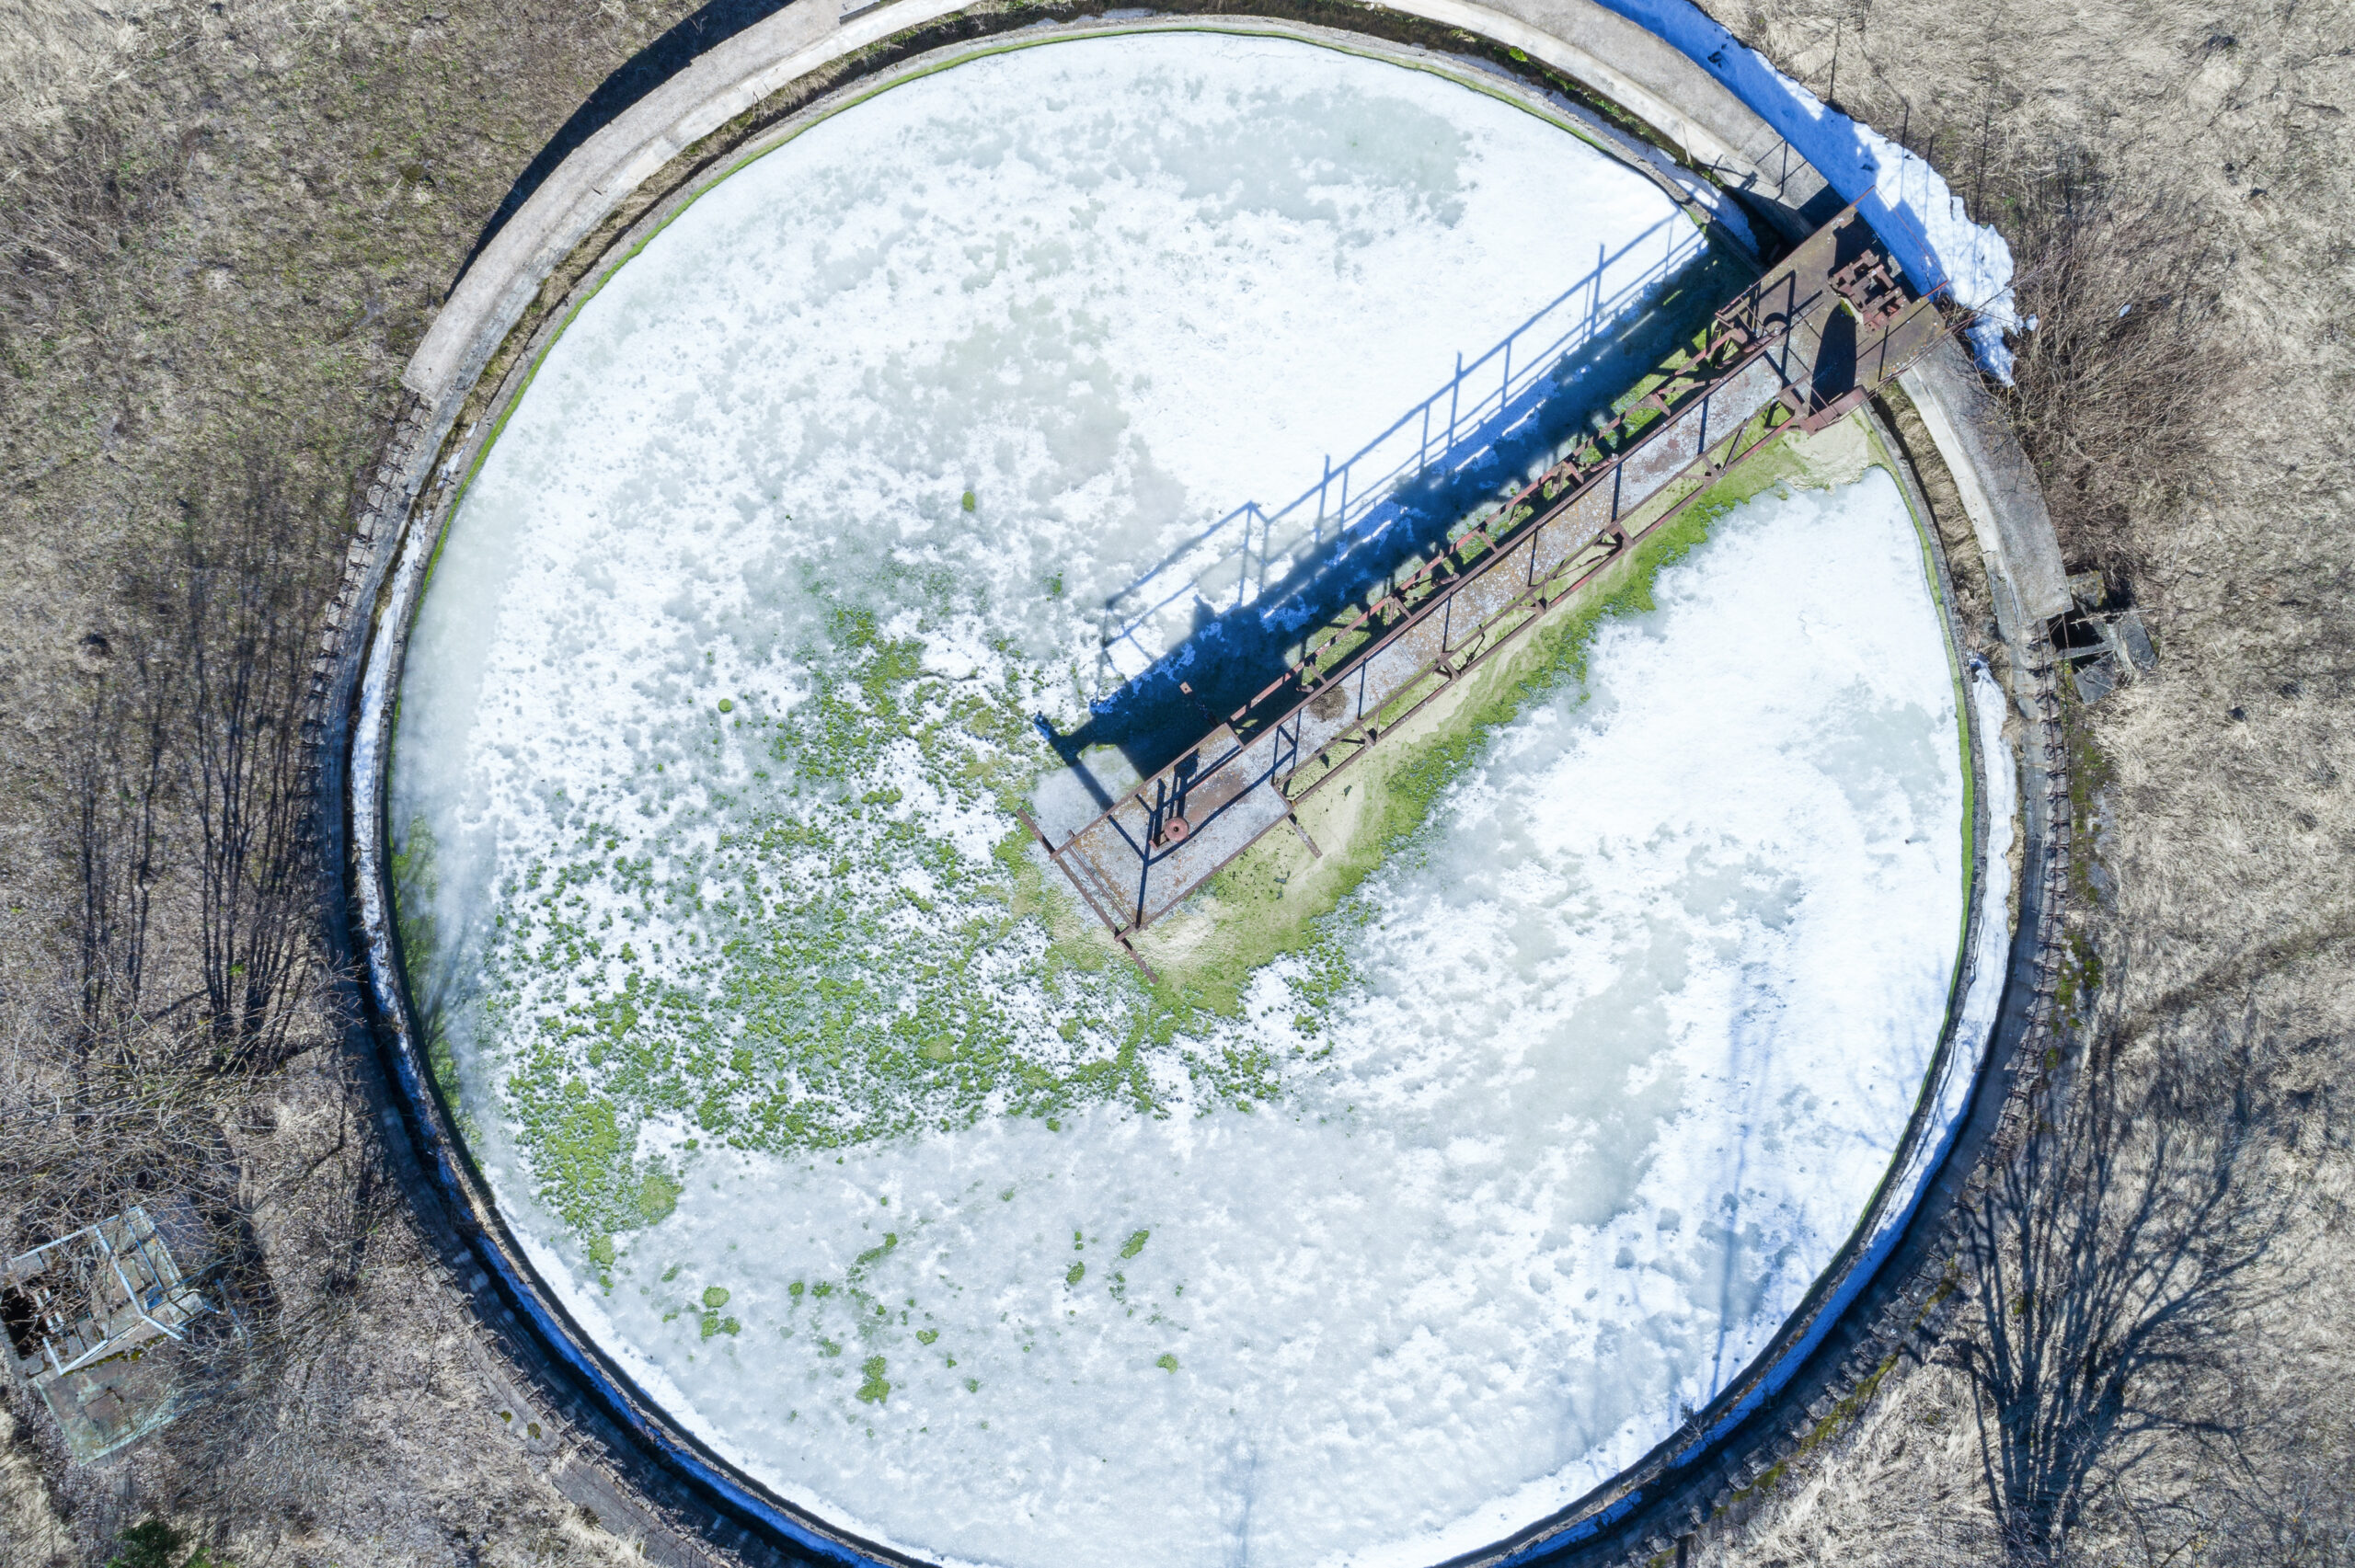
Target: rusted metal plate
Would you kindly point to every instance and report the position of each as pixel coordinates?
(1178, 870)
(1670, 452)
(1743, 398)
(1483, 598)
(1912, 334)
(1570, 530)
(1220, 775)
(1399, 662)
(1328, 715)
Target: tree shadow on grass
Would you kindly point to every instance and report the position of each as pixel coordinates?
(2115, 1257)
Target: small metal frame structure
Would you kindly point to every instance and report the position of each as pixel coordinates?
(2102, 645)
(1801, 348)
(81, 1314)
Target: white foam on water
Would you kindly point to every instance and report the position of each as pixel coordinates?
(1642, 1023)
(980, 1254)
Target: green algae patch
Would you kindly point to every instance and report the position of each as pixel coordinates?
(658, 1195)
(793, 961)
(876, 1388)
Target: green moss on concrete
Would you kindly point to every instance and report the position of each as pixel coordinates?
(416, 883)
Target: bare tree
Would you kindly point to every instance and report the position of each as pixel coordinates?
(249, 580)
(2116, 386)
(2114, 1258)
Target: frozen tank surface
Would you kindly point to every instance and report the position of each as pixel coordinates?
(835, 1122)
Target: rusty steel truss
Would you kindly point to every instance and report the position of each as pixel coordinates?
(1799, 349)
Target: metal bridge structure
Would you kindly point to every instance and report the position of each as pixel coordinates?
(1231, 562)
(1803, 347)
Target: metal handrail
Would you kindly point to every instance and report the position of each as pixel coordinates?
(1360, 496)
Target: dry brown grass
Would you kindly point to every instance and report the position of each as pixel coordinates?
(60, 51)
(221, 232)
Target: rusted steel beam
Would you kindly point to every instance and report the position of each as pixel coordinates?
(1801, 347)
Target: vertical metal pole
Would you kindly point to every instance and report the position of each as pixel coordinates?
(1321, 485)
(1243, 556)
(1453, 389)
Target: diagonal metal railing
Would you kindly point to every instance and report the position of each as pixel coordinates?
(1800, 348)
(1231, 561)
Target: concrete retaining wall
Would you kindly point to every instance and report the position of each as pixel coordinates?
(1997, 485)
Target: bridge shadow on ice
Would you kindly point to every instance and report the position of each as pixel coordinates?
(1231, 605)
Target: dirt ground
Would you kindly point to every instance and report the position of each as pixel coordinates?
(227, 223)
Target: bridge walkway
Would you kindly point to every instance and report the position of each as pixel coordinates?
(1798, 349)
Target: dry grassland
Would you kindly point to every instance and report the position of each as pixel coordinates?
(225, 227)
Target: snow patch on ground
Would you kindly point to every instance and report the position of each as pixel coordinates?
(1908, 204)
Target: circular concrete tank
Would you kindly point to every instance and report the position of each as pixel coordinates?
(630, 180)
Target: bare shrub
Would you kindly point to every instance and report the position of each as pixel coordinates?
(269, 1406)
(2118, 382)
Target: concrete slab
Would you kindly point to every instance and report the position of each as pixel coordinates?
(1997, 484)
(112, 1404)
(2135, 638)
(2096, 678)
